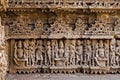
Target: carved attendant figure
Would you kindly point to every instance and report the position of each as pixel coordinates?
(67, 52)
(39, 51)
(61, 49)
(112, 53)
(79, 52)
(49, 52)
(32, 53)
(26, 50)
(88, 53)
(72, 52)
(118, 53)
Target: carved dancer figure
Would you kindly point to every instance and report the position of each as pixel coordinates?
(88, 53)
(67, 51)
(49, 52)
(106, 44)
(72, 52)
(39, 51)
(112, 53)
(79, 52)
(54, 51)
(26, 50)
(32, 52)
(118, 53)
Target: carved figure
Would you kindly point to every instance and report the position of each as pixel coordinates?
(39, 51)
(112, 53)
(32, 52)
(61, 49)
(118, 53)
(26, 50)
(100, 57)
(67, 51)
(88, 53)
(79, 52)
(72, 52)
(49, 52)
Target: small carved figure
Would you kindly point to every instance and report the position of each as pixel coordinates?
(18, 53)
(67, 51)
(88, 53)
(54, 51)
(79, 52)
(61, 49)
(106, 44)
(118, 53)
(32, 52)
(72, 52)
(49, 52)
(39, 51)
(18, 50)
(26, 50)
(112, 53)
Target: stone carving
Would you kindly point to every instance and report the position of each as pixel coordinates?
(25, 26)
(3, 65)
(117, 59)
(26, 51)
(72, 52)
(61, 36)
(57, 29)
(3, 55)
(79, 26)
(39, 52)
(88, 52)
(79, 52)
(100, 57)
(112, 53)
(49, 52)
(99, 28)
(32, 53)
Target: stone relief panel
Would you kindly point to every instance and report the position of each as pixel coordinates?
(65, 55)
(63, 43)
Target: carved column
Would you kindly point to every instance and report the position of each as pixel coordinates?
(3, 56)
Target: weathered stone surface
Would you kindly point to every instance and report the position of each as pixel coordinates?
(60, 36)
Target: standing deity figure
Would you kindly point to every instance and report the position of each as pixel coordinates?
(54, 51)
(61, 49)
(88, 53)
(26, 50)
(72, 52)
(112, 53)
(39, 51)
(49, 52)
(67, 52)
(79, 52)
(18, 53)
(118, 53)
(32, 52)
(106, 44)
(100, 57)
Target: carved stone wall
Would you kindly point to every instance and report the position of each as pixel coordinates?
(63, 42)
(62, 36)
